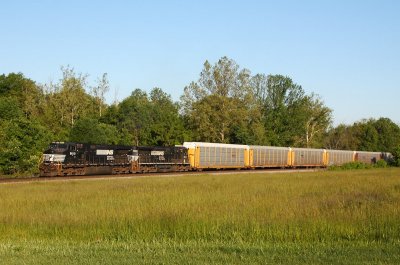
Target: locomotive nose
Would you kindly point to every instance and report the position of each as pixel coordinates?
(53, 158)
(48, 158)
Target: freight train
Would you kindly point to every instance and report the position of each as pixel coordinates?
(68, 158)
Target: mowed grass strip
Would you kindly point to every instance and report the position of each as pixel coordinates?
(194, 252)
(362, 206)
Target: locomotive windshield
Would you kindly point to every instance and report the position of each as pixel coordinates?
(58, 147)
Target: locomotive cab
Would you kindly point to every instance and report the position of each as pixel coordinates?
(56, 152)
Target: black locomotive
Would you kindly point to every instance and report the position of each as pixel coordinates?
(68, 159)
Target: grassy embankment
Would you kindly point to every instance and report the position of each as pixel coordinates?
(323, 217)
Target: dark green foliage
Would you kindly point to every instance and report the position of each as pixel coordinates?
(381, 164)
(291, 117)
(23, 91)
(166, 125)
(351, 165)
(367, 136)
(22, 138)
(92, 131)
(9, 108)
(388, 135)
(396, 156)
(282, 110)
(144, 120)
(380, 135)
(341, 138)
(229, 105)
(13, 84)
(222, 105)
(360, 165)
(21, 145)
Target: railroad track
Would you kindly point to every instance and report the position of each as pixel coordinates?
(144, 175)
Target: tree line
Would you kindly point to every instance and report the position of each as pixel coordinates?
(227, 104)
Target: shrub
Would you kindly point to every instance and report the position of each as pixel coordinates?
(396, 156)
(381, 164)
(351, 166)
(21, 145)
(359, 165)
(356, 165)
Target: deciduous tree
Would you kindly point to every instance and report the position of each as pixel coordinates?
(98, 92)
(318, 120)
(284, 116)
(221, 106)
(88, 130)
(21, 145)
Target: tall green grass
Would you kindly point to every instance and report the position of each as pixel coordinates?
(320, 207)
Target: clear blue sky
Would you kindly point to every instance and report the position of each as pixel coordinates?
(348, 52)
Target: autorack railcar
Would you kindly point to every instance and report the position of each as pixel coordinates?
(340, 157)
(217, 156)
(308, 157)
(368, 157)
(269, 157)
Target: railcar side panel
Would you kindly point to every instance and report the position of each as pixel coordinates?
(215, 156)
(368, 157)
(340, 157)
(307, 157)
(270, 156)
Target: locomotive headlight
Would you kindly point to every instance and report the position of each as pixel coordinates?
(133, 158)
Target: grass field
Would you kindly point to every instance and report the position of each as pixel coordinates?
(335, 217)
